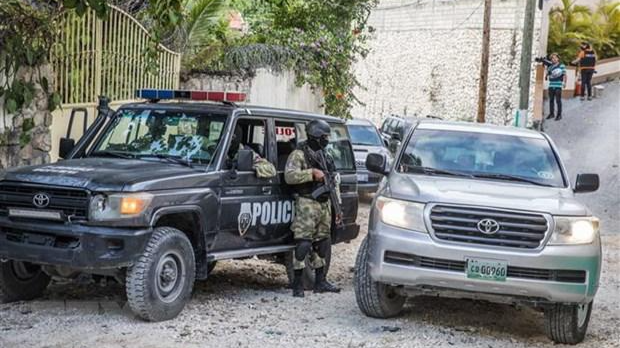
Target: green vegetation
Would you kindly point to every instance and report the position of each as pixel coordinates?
(571, 24)
(319, 40)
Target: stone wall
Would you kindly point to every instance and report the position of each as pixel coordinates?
(265, 89)
(25, 137)
(425, 60)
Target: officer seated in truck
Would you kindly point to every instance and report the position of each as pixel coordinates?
(262, 167)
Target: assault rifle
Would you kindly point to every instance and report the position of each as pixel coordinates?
(330, 186)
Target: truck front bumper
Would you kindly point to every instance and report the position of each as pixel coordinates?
(567, 274)
(72, 245)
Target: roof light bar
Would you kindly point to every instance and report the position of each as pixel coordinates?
(217, 96)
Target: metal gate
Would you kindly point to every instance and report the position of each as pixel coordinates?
(94, 57)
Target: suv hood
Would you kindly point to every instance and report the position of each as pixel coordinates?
(102, 174)
(488, 193)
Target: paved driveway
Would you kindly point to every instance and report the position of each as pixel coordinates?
(589, 140)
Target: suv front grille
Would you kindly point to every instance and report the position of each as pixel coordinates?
(566, 276)
(71, 202)
(516, 229)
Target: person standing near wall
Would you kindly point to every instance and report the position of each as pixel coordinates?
(556, 75)
(586, 60)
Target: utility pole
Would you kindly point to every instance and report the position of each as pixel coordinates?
(484, 63)
(526, 63)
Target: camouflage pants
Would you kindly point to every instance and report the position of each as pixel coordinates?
(312, 222)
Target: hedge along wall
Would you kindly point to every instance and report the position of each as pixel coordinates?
(25, 137)
(425, 59)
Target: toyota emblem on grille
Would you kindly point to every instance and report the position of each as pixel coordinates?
(41, 200)
(488, 226)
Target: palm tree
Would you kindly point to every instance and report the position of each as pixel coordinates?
(202, 17)
(571, 24)
(568, 26)
(607, 28)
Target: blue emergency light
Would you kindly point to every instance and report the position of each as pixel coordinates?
(163, 94)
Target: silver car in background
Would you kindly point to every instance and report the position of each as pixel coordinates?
(481, 212)
(365, 139)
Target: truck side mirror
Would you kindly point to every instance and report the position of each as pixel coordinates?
(377, 163)
(586, 183)
(67, 144)
(65, 148)
(245, 160)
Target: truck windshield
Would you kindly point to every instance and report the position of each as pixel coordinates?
(480, 155)
(192, 137)
(364, 135)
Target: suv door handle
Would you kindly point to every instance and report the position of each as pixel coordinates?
(266, 190)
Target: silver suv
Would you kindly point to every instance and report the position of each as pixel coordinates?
(481, 212)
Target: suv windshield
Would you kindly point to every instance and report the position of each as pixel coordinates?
(364, 135)
(481, 155)
(192, 137)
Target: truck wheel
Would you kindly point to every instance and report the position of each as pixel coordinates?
(374, 299)
(21, 281)
(308, 275)
(567, 323)
(160, 282)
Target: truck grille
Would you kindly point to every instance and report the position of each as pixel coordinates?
(566, 276)
(71, 202)
(466, 225)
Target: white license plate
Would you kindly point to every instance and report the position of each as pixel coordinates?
(35, 214)
(362, 177)
(485, 269)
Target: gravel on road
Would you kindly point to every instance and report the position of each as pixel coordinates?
(247, 304)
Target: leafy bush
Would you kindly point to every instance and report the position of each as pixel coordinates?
(571, 24)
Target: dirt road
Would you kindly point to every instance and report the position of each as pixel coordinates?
(246, 304)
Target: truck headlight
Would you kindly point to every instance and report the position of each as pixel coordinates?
(574, 230)
(403, 214)
(118, 206)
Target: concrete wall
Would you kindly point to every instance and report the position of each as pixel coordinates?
(425, 59)
(265, 89)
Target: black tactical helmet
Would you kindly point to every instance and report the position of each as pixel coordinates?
(317, 129)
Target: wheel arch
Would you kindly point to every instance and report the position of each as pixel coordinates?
(190, 220)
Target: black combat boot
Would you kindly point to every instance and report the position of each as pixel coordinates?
(298, 284)
(321, 285)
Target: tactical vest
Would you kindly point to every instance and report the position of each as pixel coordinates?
(306, 189)
(588, 61)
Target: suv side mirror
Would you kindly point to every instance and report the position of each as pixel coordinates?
(245, 160)
(586, 183)
(377, 163)
(396, 136)
(65, 148)
(385, 142)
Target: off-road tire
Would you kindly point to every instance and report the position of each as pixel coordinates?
(563, 324)
(308, 275)
(21, 286)
(143, 285)
(374, 299)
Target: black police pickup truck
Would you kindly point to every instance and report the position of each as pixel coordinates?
(150, 196)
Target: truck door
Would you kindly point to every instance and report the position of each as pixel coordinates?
(249, 209)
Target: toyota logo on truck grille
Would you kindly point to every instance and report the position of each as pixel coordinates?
(488, 226)
(41, 200)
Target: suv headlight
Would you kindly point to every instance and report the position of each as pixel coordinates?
(118, 206)
(574, 230)
(403, 214)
